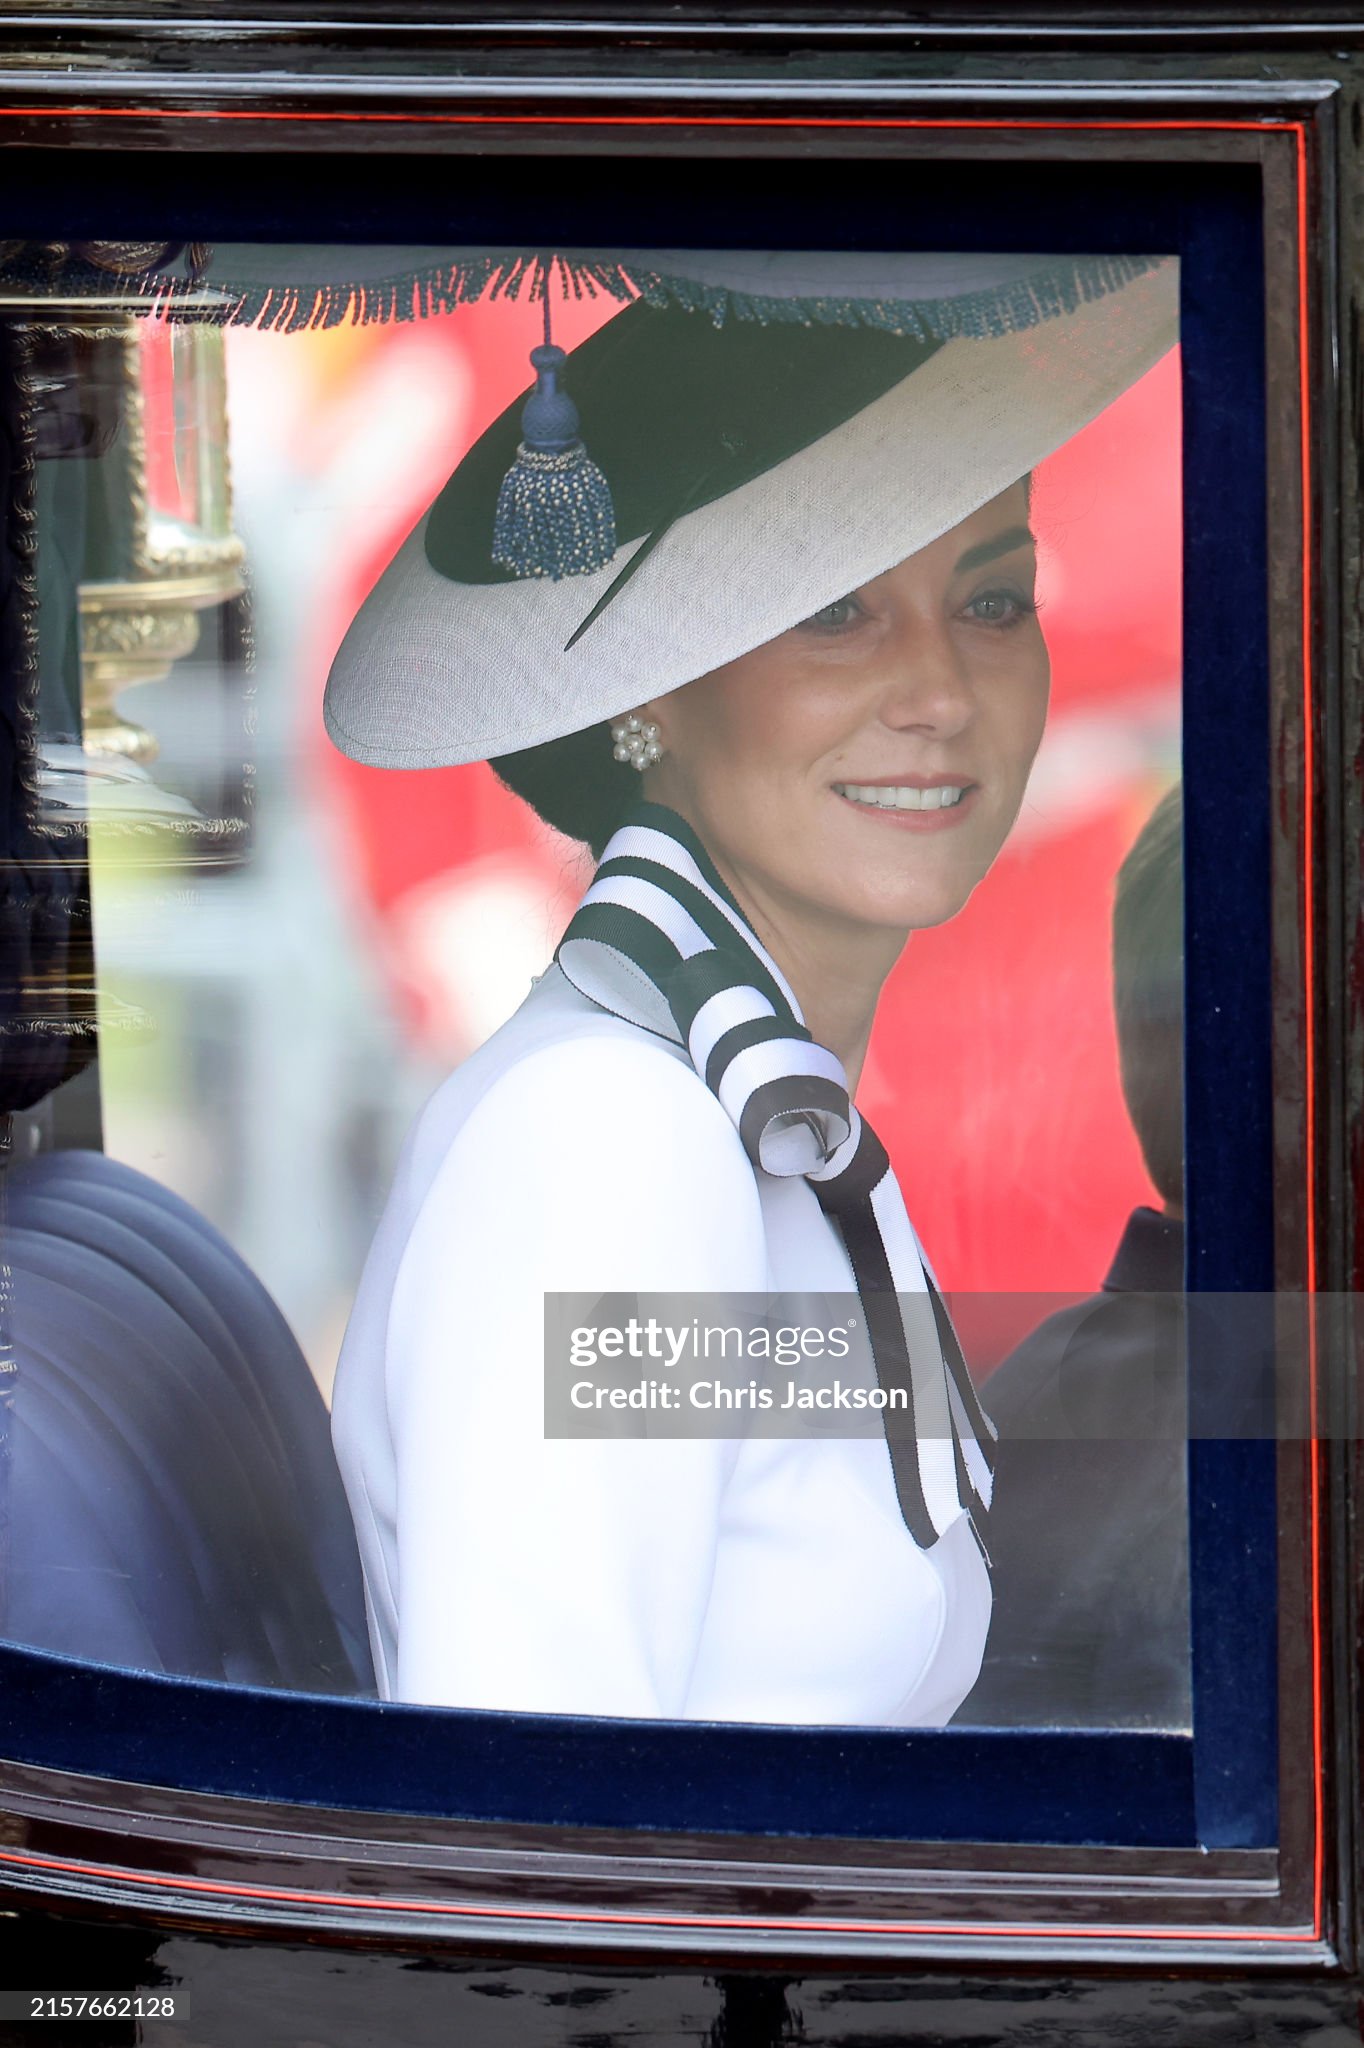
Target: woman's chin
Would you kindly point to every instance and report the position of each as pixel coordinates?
(906, 910)
(918, 894)
(921, 916)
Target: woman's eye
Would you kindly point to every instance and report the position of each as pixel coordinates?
(1000, 607)
(831, 618)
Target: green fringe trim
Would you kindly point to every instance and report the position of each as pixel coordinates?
(1006, 309)
(418, 296)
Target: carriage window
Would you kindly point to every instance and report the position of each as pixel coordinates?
(615, 1147)
(554, 853)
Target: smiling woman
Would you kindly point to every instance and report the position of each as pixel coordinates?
(793, 707)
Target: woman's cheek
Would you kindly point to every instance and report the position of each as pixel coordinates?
(1023, 702)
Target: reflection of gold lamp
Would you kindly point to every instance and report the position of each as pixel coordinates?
(183, 557)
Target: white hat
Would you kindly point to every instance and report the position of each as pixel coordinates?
(774, 432)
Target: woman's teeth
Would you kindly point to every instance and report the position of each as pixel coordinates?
(897, 799)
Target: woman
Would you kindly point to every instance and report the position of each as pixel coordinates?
(815, 654)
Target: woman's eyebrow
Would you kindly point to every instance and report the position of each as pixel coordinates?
(990, 550)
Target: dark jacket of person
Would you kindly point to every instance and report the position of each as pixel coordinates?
(1088, 1535)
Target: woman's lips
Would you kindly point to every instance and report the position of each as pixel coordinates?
(912, 806)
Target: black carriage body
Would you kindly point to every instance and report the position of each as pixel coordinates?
(299, 1887)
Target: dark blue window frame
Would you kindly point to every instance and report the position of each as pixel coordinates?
(1217, 1788)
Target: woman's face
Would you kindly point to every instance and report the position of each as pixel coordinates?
(869, 763)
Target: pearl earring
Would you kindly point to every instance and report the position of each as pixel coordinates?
(636, 742)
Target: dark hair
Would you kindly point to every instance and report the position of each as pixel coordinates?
(1148, 991)
(575, 784)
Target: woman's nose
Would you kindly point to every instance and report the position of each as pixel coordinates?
(925, 686)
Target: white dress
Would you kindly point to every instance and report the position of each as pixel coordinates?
(751, 1579)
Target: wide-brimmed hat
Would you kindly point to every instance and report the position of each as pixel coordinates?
(774, 433)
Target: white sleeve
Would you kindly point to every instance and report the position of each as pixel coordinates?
(558, 1577)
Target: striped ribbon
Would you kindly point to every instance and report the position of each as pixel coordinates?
(659, 941)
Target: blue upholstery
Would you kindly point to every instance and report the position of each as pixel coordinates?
(173, 1504)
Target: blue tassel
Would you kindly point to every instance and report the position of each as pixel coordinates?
(554, 513)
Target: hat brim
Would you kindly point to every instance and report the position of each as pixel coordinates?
(435, 672)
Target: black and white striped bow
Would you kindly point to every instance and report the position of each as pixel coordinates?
(658, 940)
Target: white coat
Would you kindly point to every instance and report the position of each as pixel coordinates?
(760, 1579)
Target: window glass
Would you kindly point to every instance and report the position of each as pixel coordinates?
(899, 673)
